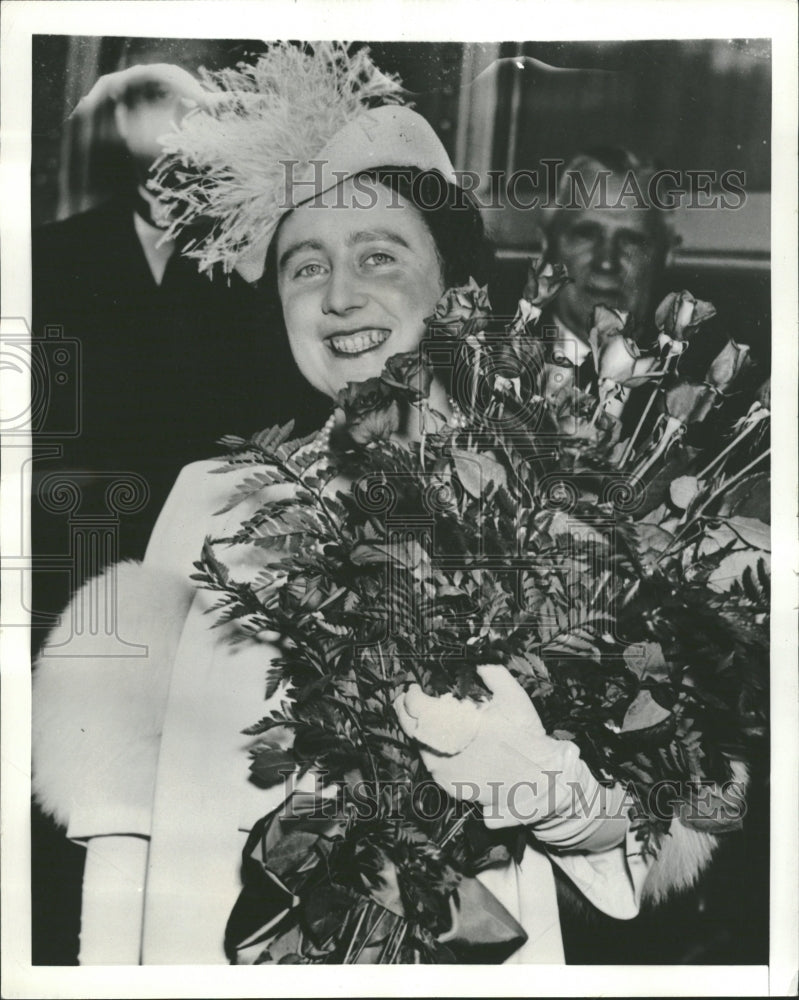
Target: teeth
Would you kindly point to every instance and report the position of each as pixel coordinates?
(356, 343)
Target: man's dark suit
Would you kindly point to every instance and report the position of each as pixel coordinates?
(166, 370)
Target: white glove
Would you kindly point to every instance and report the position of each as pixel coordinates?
(497, 753)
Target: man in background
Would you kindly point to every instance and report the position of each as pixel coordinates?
(614, 251)
(170, 360)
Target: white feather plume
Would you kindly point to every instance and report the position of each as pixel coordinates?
(222, 166)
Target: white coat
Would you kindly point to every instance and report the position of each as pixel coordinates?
(142, 758)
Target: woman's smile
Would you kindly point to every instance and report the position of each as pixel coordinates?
(360, 341)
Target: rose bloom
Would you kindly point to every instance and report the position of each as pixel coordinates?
(678, 317)
(544, 281)
(370, 410)
(689, 402)
(616, 357)
(409, 374)
(462, 308)
(728, 365)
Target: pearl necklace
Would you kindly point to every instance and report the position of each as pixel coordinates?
(457, 420)
(326, 431)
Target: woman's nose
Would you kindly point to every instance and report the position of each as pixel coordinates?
(342, 293)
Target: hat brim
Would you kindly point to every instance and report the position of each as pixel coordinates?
(393, 135)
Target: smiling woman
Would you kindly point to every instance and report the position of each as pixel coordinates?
(365, 276)
(351, 296)
(148, 763)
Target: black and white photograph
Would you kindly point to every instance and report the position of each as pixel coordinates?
(397, 567)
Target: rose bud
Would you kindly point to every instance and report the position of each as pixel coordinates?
(458, 306)
(618, 358)
(728, 365)
(680, 315)
(689, 402)
(526, 315)
(544, 281)
(608, 322)
(558, 380)
(408, 373)
(508, 387)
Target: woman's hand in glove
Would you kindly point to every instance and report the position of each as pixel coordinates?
(497, 753)
(493, 752)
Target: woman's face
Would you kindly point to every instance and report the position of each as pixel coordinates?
(356, 284)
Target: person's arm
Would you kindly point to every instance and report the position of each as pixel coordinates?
(499, 755)
(112, 900)
(97, 720)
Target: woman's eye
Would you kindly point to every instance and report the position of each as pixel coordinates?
(308, 271)
(379, 258)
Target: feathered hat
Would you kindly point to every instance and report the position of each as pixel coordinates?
(273, 135)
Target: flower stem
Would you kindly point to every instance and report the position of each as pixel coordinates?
(476, 375)
(730, 446)
(632, 439)
(367, 937)
(364, 911)
(453, 831)
(716, 493)
(394, 941)
(672, 428)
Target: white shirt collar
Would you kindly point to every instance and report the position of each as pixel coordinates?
(569, 346)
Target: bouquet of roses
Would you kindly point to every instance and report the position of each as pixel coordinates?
(540, 528)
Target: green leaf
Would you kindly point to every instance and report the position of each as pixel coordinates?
(645, 659)
(643, 713)
(271, 438)
(264, 725)
(291, 851)
(733, 567)
(476, 471)
(271, 765)
(528, 665)
(752, 532)
(368, 555)
(274, 675)
(251, 486)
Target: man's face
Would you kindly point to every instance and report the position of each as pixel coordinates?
(612, 256)
(141, 125)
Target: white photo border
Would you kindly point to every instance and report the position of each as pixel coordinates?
(411, 20)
